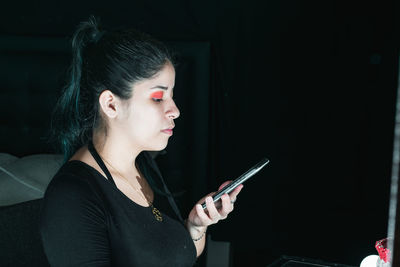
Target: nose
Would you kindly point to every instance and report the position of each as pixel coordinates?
(173, 111)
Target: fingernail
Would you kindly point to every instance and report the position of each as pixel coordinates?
(209, 199)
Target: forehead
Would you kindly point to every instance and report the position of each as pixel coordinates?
(164, 79)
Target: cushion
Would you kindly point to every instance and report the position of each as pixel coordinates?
(6, 159)
(26, 178)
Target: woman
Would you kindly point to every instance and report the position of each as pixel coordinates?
(108, 204)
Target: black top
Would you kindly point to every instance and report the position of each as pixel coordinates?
(87, 221)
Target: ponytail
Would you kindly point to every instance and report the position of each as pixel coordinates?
(68, 129)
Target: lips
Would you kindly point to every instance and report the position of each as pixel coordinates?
(168, 131)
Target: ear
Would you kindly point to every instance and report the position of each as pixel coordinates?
(109, 103)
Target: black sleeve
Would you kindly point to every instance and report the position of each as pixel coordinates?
(73, 224)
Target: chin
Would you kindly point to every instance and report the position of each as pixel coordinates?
(163, 146)
(158, 147)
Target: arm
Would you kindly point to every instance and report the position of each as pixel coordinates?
(200, 219)
(73, 225)
(198, 235)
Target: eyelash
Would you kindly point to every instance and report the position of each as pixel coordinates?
(158, 100)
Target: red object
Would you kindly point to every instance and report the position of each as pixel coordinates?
(383, 251)
(157, 95)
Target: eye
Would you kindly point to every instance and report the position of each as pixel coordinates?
(157, 96)
(157, 100)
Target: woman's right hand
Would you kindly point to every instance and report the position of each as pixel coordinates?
(199, 217)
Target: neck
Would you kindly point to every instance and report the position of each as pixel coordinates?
(117, 151)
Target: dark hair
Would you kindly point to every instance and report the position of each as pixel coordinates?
(101, 60)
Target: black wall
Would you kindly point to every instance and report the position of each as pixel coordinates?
(311, 85)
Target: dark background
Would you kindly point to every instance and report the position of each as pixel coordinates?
(309, 84)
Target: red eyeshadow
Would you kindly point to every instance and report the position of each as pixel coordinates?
(157, 95)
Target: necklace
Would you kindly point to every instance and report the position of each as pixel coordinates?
(154, 210)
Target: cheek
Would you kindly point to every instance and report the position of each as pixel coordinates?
(146, 117)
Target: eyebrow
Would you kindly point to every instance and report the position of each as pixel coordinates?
(160, 87)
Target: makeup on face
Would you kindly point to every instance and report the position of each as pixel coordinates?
(157, 95)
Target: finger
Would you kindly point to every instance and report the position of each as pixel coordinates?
(235, 192)
(227, 206)
(213, 213)
(224, 184)
(203, 215)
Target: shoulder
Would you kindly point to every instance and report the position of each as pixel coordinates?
(71, 174)
(74, 218)
(72, 197)
(73, 184)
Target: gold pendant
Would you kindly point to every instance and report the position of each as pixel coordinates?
(157, 213)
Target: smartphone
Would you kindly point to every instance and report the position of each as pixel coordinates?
(241, 179)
